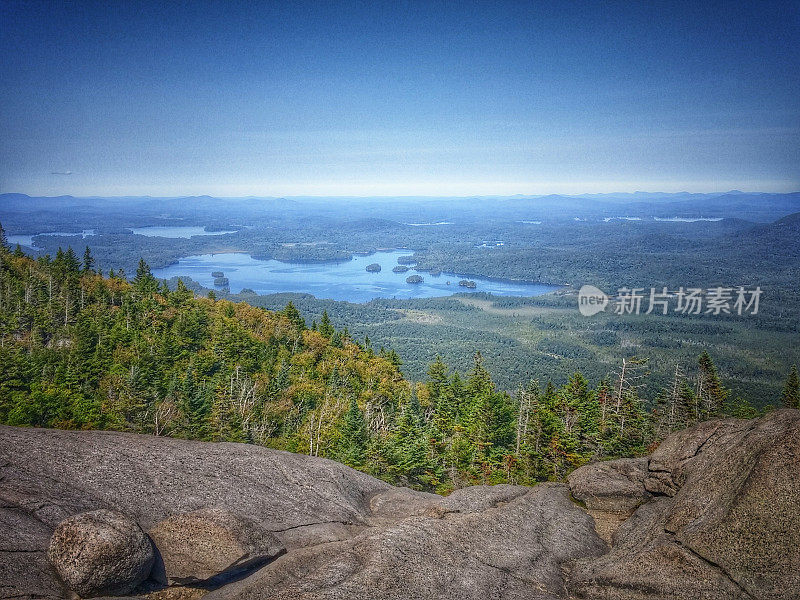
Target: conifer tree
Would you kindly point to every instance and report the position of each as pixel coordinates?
(445, 410)
(88, 261)
(196, 407)
(181, 295)
(790, 398)
(410, 443)
(325, 326)
(711, 394)
(354, 436)
(71, 263)
(144, 282)
(291, 313)
(163, 288)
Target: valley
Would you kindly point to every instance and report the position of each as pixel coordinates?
(303, 250)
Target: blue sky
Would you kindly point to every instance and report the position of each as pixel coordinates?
(398, 98)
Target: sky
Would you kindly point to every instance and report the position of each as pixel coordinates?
(398, 98)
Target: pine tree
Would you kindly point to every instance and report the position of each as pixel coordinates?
(88, 261)
(445, 411)
(144, 282)
(291, 313)
(410, 444)
(688, 409)
(391, 356)
(479, 381)
(325, 326)
(181, 295)
(354, 436)
(3, 240)
(711, 394)
(790, 398)
(196, 407)
(336, 340)
(71, 263)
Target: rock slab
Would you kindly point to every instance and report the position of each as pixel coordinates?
(714, 513)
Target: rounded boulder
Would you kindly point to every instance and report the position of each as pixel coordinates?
(102, 552)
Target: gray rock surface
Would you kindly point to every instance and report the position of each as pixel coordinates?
(151, 478)
(719, 519)
(49, 475)
(612, 486)
(24, 571)
(517, 549)
(207, 543)
(102, 552)
(725, 523)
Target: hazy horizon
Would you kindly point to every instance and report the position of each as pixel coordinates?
(411, 196)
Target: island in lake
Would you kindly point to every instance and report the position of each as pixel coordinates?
(414, 279)
(468, 284)
(374, 268)
(400, 269)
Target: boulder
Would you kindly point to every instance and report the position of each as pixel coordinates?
(477, 498)
(676, 456)
(102, 552)
(739, 507)
(210, 543)
(647, 563)
(725, 523)
(614, 486)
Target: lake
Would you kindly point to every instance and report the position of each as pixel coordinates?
(27, 240)
(347, 280)
(176, 232)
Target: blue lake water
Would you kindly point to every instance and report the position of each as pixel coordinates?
(27, 240)
(347, 280)
(176, 232)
